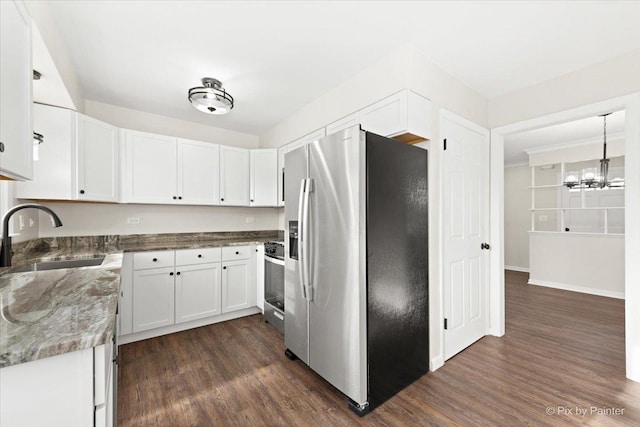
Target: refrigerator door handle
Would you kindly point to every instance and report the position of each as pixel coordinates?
(301, 237)
(307, 242)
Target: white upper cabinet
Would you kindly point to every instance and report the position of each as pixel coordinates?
(53, 171)
(78, 159)
(151, 168)
(234, 176)
(405, 116)
(198, 172)
(98, 151)
(16, 130)
(263, 177)
(343, 123)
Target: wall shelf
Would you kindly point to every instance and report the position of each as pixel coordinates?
(556, 209)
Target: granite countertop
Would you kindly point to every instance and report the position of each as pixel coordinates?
(46, 313)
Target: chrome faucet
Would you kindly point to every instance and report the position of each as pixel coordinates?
(5, 252)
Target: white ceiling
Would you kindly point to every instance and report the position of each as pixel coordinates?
(575, 131)
(275, 57)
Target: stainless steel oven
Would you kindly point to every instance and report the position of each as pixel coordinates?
(274, 284)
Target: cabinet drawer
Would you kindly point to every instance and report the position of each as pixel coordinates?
(198, 256)
(231, 253)
(155, 259)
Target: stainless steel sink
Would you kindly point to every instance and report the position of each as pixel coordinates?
(56, 265)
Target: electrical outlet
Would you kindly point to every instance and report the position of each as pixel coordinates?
(21, 222)
(31, 223)
(250, 220)
(133, 220)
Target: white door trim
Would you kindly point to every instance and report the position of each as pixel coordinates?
(448, 115)
(631, 103)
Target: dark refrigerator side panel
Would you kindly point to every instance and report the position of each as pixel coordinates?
(397, 266)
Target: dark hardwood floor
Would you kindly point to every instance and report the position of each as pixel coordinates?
(561, 351)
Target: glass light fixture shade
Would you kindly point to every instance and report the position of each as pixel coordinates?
(590, 178)
(571, 179)
(211, 98)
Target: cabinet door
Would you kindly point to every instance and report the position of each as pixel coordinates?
(238, 291)
(198, 172)
(53, 172)
(281, 152)
(151, 168)
(97, 159)
(16, 130)
(343, 123)
(259, 261)
(198, 291)
(153, 298)
(234, 176)
(387, 117)
(264, 177)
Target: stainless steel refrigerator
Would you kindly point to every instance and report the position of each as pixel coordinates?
(356, 270)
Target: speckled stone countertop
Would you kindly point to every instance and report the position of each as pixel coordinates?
(46, 313)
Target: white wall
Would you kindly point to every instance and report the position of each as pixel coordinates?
(517, 218)
(558, 261)
(90, 219)
(609, 79)
(575, 153)
(405, 68)
(147, 122)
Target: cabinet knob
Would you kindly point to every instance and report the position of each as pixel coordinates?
(1, 147)
(178, 273)
(251, 200)
(175, 197)
(224, 268)
(81, 191)
(179, 197)
(155, 260)
(171, 274)
(222, 199)
(237, 253)
(199, 255)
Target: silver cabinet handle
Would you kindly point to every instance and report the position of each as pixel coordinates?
(278, 315)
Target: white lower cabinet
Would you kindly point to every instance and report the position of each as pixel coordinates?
(72, 389)
(153, 298)
(198, 292)
(168, 291)
(237, 290)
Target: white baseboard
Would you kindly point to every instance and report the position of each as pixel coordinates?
(436, 362)
(574, 288)
(152, 333)
(514, 268)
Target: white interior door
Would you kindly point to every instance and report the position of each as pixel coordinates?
(465, 231)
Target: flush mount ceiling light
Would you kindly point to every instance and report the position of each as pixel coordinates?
(211, 98)
(592, 178)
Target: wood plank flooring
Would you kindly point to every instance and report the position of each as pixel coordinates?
(562, 350)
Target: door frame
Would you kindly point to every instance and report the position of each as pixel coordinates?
(448, 115)
(631, 105)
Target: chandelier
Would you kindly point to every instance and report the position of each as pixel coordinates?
(211, 98)
(594, 178)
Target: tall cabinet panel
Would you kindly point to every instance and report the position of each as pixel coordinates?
(234, 176)
(16, 130)
(151, 168)
(198, 175)
(98, 157)
(264, 177)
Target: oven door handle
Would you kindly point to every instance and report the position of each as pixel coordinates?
(274, 260)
